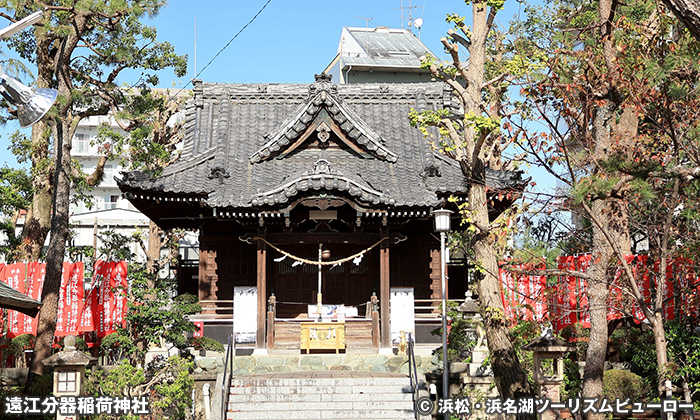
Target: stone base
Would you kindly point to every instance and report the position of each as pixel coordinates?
(479, 354)
(247, 365)
(475, 369)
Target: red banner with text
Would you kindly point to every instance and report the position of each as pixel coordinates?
(100, 307)
(528, 297)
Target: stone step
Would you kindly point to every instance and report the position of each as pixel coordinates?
(321, 406)
(310, 389)
(321, 395)
(322, 414)
(330, 381)
(260, 397)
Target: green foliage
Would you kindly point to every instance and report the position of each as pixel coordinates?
(154, 315)
(116, 346)
(573, 382)
(21, 343)
(15, 189)
(114, 382)
(637, 348)
(482, 124)
(522, 333)
(684, 355)
(168, 387)
(43, 385)
(175, 396)
(623, 384)
(428, 118)
(115, 246)
(15, 194)
(205, 343)
(461, 337)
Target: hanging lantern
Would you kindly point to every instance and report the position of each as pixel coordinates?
(326, 254)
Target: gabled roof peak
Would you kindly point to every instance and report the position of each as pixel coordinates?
(323, 112)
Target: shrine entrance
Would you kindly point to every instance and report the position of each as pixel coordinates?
(296, 284)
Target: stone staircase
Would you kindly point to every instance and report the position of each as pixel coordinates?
(321, 395)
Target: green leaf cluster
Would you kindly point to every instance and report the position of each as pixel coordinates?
(169, 395)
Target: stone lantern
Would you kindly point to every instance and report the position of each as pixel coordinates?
(546, 350)
(69, 372)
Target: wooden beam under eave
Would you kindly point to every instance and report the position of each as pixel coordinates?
(384, 295)
(262, 294)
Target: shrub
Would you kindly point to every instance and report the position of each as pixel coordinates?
(21, 343)
(623, 384)
(168, 387)
(116, 346)
(205, 343)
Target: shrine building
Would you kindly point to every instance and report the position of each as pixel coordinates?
(277, 177)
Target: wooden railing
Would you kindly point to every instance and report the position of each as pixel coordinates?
(429, 308)
(286, 333)
(218, 309)
(424, 308)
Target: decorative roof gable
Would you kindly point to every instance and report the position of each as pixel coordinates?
(323, 113)
(321, 176)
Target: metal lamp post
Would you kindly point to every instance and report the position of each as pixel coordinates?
(442, 225)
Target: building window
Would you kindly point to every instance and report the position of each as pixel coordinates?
(108, 178)
(81, 144)
(109, 202)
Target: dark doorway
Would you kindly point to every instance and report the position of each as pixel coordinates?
(296, 286)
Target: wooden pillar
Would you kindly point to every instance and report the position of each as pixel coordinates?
(207, 279)
(384, 294)
(375, 321)
(435, 279)
(262, 294)
(271, 323)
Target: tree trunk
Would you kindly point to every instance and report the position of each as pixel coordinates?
(598, 309)
(38, 220)
(155, 244)
(511, 380)
(688, 12)
(54, 260)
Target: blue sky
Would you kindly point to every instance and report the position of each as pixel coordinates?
(288, 42)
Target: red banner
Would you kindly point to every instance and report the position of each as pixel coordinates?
(15, 278)
(524, 296)
(36, 273)
(112, 302)
(567, 303)
(70, 302)
(89, 316)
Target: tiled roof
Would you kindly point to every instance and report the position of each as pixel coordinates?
(234, 152)
(13, 299)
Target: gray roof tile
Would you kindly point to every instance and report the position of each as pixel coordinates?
(13, 299)
(229, 124)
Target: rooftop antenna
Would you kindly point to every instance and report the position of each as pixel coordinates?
(418, 23)
(409, 11)
(364, 18)
(195, 45)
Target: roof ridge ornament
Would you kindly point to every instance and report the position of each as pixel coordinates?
(322, 167)
(322, 83)
(219, 173)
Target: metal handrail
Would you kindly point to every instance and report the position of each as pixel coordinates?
(413, 373)
(226, 383)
